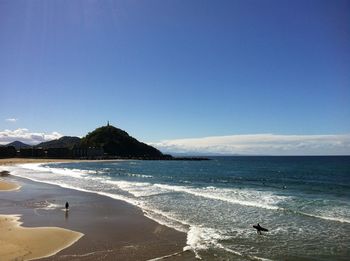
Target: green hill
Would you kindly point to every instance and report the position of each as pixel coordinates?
(116, 142)
(63, 142)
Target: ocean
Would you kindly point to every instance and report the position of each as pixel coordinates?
(303, 201)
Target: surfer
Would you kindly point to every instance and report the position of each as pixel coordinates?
(259, 229)
(67, 206)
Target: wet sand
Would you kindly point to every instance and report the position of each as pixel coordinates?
(113, 230)
(8, 186)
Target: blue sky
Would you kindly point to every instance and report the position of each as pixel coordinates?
(169, 70)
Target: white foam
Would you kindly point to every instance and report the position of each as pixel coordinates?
(201, 238)
(337, 219)
(235, 196)
(165, 257)
(64, 185)
(156, 215)
(42, 167)
(52, 206)
(248, 256)
(166, 219)
(138, 175)
(137, 189)
(245, 197)
(60, 171)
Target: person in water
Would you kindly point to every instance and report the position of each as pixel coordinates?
(67, 206)
(259, 229)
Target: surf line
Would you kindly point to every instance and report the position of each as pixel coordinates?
(243, 255)
(325, 218)
(167, 256)
(199, 194)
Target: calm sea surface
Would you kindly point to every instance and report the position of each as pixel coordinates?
(303, 201)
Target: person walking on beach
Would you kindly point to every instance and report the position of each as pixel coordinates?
(67, 206)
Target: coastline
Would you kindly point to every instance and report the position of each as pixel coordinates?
(112, 229)
(15, 161)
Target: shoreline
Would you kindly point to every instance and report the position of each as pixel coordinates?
(15, 161)
(29, 243)
(147, 239)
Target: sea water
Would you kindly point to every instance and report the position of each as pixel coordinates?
(303, 201)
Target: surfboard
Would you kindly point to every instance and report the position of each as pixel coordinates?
(260, 228)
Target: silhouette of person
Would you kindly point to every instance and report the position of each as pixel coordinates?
(67, 206)
(259, 229)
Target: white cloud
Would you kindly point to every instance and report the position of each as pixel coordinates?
(11, 119)
(260, 144)
(24, 135)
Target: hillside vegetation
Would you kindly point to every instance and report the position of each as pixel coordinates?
(116, 142)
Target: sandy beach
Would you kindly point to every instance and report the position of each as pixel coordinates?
(22, 243)
(112, 229)
(13, 161)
